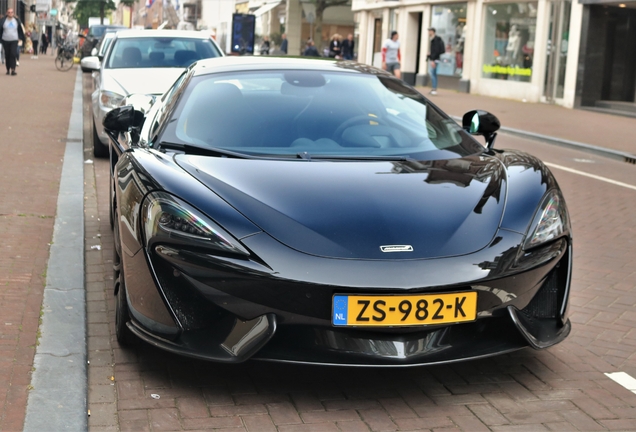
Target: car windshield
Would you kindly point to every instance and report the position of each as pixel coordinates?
(314, 114)
(97, 31)
(151, 52)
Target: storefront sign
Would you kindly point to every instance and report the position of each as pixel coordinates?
(507, 70)
(42, 5)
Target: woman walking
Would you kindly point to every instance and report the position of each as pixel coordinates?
(11, 31)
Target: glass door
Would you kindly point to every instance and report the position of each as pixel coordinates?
(557, 51)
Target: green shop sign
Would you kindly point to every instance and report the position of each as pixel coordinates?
(507, 70)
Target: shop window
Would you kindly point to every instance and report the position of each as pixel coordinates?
(449, 21)
(509, 34)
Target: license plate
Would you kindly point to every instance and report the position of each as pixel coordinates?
(404, 310)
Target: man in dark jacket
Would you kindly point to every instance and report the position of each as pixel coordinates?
(348, 47)
(10, 33)
(437, 49)
(310, 49)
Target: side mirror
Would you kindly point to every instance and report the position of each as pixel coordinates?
(478, 122)
(90, 63)
(122, 119)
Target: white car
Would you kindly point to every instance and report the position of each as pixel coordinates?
(142, 62)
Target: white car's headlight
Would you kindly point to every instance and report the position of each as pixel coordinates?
(110, 99)
(550, 222)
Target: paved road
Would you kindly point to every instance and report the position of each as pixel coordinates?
(563, 388)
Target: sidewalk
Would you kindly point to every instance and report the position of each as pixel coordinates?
(592, 128)
(34, 121)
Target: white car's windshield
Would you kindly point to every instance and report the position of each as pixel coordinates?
(151, 52)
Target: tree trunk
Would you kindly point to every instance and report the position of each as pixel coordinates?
(318, 29)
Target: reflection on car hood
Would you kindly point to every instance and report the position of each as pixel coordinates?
(352, 209)
(144, 81)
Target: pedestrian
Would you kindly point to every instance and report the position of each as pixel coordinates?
(10, 33)
(265, 46)
(283, 44)
(45, 44)
(434, 54)
(310, 49)
(35, 40)
(391, 55)
(335, 46)
(348, 47)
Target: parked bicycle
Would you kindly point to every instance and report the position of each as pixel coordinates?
(65, 56)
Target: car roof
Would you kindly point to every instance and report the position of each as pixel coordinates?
(254, 63)
(162, 33)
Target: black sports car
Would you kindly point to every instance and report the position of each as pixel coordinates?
(325, 212)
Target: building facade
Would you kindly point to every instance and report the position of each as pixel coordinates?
(576, 53)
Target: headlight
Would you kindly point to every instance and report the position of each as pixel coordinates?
(550, 222)
(110, 99)
(168, 220)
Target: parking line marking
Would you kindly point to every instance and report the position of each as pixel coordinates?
(605, 179)
(623, 379)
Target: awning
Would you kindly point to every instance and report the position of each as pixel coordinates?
(266, 8)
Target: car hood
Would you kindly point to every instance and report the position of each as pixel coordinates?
(356, 209)
(143, 81)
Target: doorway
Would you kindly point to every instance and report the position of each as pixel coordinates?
(377, 42)
(557, 51)
(608, 78)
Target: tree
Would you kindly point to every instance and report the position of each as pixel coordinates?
(321, 5)
(84, 9)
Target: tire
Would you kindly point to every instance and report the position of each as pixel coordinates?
(122, 314)
(64, 63)
(99, 149)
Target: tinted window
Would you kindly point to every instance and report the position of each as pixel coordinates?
(321, 113)
(150, 52)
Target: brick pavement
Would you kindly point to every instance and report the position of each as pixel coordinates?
(563, 388)
(34, 115)
(33, 123)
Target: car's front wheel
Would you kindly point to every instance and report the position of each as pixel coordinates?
(99, 149)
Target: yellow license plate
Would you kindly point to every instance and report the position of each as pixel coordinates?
(404, 310)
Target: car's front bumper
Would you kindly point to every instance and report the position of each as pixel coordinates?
(222, 310)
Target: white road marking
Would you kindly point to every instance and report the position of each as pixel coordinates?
(623, 379)
(582, 173)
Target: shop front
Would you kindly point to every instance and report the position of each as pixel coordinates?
(449, 22)
(525, 50)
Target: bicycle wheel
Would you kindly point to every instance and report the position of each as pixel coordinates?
(63, 62)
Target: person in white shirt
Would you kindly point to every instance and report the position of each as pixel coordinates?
(391, 55)
(11, 31)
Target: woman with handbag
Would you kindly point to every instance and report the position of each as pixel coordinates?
(335, 47)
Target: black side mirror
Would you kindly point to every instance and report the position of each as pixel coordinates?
(478, 122)
(122, 119)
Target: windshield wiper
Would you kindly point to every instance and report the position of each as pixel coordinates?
(205, 151)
